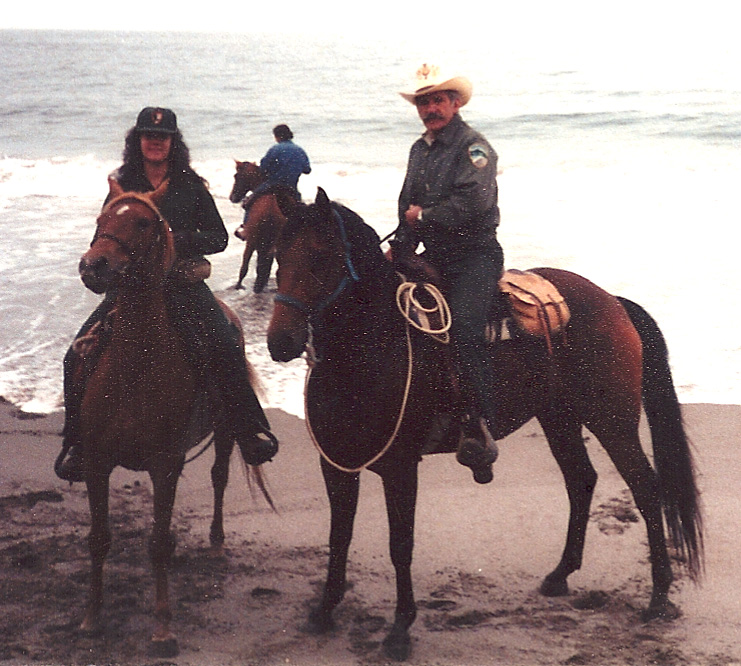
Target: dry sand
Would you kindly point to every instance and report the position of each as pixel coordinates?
(480, 555)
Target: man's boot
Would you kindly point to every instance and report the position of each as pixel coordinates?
(477, 449)
(69, 465)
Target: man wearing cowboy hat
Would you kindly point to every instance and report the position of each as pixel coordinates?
(449, 203)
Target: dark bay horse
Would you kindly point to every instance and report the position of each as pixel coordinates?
(139, 406)
(337, 291)
(260, 226)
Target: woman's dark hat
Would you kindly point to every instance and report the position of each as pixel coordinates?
(155, 119)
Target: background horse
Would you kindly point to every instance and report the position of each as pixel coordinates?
(377, 385)
(139, 406)
(260, 226)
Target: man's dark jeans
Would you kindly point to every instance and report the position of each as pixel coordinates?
(471, 286)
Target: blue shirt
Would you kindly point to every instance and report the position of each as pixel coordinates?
(284, 163)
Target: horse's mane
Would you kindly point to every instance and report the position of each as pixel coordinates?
(365, 243)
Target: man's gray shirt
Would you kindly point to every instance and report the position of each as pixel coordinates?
(454, 180)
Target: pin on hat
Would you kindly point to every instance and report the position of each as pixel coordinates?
(430, 78)
(156, 119)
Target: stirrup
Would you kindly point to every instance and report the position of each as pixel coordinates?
(256, 449)
(478, 451)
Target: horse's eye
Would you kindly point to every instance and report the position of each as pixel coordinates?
(143, 223)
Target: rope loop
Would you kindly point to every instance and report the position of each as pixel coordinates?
(397, 426)
(408, 304)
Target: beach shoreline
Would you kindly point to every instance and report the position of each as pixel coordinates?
(478, 562)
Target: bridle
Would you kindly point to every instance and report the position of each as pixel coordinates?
(312, 315)
(314, 312)
(128, 250)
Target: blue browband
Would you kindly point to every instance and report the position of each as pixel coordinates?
(352, 276)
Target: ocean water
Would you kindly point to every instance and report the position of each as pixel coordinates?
(625, 174)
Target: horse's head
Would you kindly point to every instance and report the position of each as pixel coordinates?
(132, 241)
(314, 268)
(246, 178)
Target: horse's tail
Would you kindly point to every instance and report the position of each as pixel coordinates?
(672, 455)
(256, 477)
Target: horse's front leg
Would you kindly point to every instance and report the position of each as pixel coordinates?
(161, 548)
(249, 248)
(99, 543)
(400, 489)
(264, 265)
(219, 478)
(342, 491)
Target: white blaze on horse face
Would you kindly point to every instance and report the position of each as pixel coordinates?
(123, 209)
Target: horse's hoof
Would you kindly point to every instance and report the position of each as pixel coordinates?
(554, 588)
(664, 611)
(398, 646)
(238, 287)
(318, 623)
(164, 649)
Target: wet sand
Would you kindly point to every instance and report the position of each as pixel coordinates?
(480, 555)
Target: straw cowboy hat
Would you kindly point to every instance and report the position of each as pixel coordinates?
(430, 79)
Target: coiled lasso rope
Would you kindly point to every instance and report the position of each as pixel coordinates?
(405, 301)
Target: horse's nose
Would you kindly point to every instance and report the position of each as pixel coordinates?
(94, 274)
(285, 347)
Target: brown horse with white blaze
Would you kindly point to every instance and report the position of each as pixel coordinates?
(138, 406)
(377, 385)
(260, 226)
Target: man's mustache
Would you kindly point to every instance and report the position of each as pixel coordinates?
(433, 116)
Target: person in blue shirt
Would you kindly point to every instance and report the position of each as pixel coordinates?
(281, 166)
(284, 163)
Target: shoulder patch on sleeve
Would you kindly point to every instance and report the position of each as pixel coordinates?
(479, 155)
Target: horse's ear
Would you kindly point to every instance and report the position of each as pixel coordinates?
(322, 203)
(157, 196)
(115, 188)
